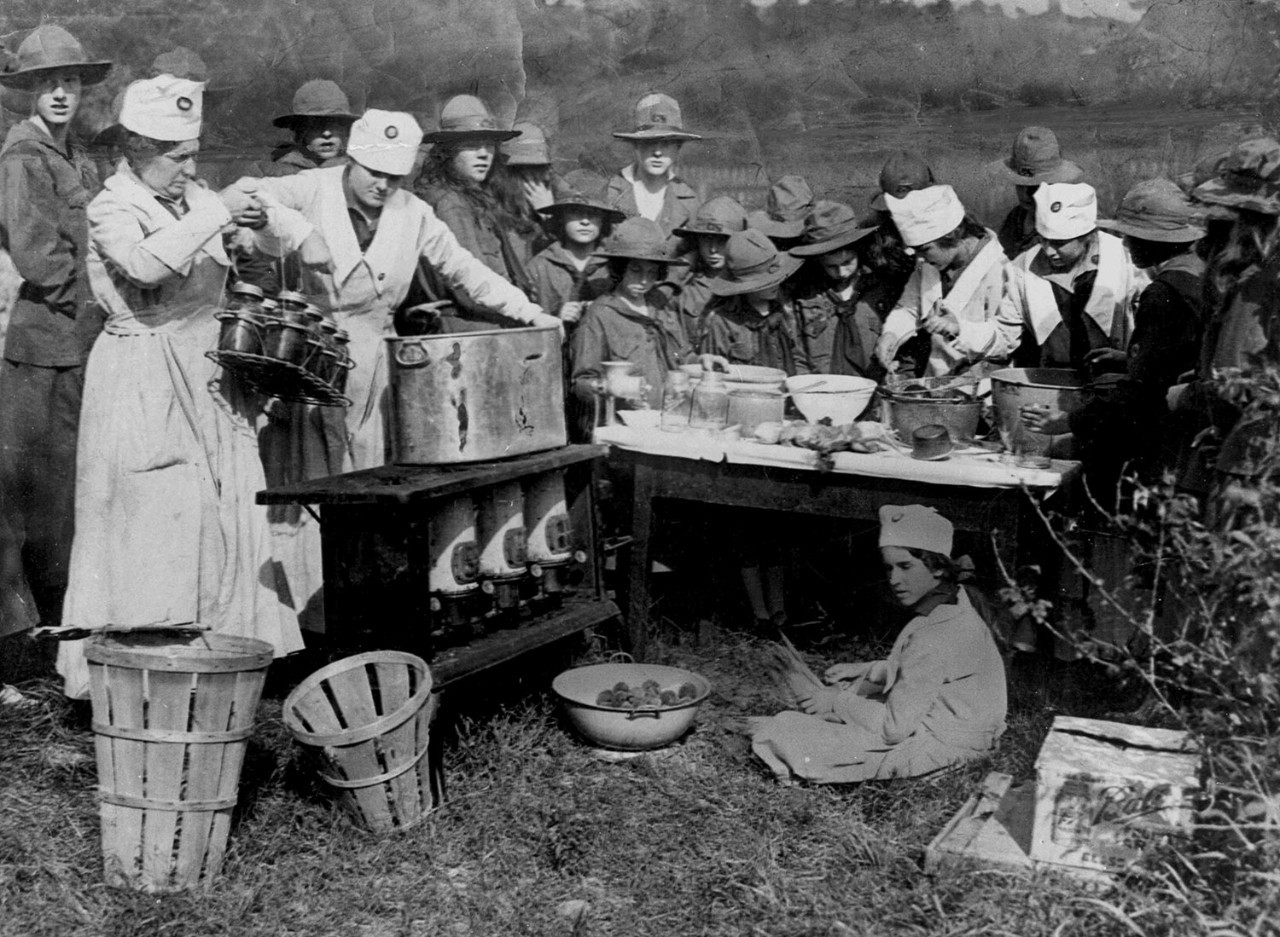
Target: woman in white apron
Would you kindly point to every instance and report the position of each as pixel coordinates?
(167, 532)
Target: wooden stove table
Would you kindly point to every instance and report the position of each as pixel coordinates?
(374, 525)
(975, 492)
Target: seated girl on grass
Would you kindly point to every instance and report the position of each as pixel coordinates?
(937, 700)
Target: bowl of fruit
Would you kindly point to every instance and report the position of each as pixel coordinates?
(632, 707)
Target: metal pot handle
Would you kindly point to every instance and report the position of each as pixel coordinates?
(411, 354)
(637, 713)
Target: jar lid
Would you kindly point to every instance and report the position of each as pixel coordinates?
(341, 335)
(292, 296)
(268, 303)
(241, 288)
(755, 392)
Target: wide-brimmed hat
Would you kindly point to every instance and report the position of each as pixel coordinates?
(901, 173)
(582, 188)
(50, 48)
(752, 263)
(1248, 178)
(318, 97)
(924, 215)
(657, 117)
(1066, 210)
(789, 203)
(830, 226)
(1036, 159)
(720, 215)
(465, 117)
(529, 148)
(1156, 210)
(636, 239)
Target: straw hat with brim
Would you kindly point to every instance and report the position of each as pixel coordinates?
(636, 239)
(528, 149)
(901, 173)
(579, 189)
(465, 117)
(1248, 179)
(657, 117)
(1156, 210)
(831, 226)
(721, 215)
(317, 98)
(789, 203)
(1036, 159)
(753, 264)
(47, 49)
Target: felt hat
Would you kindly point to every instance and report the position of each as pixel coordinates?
(318, 97)
(385, 141)
(657, 117)
(1036, 159)
(528, 149)
(914, 526)
(465, 117)
(901, 173)
(830, 226)
(50, 48)
(789, 202)
(1247, 178)
(582, 188)
(720, 215)
(1065, 210)
(180, 62)
(1156, 210)
(163, 108)
(636, 239)
(924, 215)
(752, 263)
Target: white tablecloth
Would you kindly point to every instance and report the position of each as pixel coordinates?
(973, 468)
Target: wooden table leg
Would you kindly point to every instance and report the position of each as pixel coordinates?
(635, 603)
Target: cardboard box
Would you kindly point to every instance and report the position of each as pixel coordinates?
(1106, 792)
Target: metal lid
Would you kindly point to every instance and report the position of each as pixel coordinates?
(291, 296)
(240, 288)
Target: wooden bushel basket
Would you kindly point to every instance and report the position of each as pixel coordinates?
(366, 720)
(172, 716)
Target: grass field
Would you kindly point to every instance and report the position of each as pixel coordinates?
(543, 835)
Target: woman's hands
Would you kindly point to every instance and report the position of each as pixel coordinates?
(571, 312)
(714, 363)
(314, 253)
(887, 349)
(874, 671)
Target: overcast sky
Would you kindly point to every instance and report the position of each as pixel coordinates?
(1115, 9)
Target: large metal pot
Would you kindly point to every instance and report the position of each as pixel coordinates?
(1060, 389)
(474, 396)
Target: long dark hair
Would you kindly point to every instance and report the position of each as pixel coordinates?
(438, 172)
(506, 183)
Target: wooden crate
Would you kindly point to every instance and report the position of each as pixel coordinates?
(992, 829)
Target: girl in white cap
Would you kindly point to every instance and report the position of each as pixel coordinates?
(379, 233)
(957, 294)
(1076, 289)
(938, 699)
(167, 532)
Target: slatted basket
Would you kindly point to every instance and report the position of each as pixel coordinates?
(172, 716)
(365, 722)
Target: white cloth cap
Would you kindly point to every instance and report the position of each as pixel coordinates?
(1065, 210)
(915, 526)
(163, 108)
(925, 215)
(385, 141)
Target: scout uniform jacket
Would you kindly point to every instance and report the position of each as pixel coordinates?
(735, 330)
(679, 204)
(839, 336)
(612, 331)
(557, 280)
(43, 195)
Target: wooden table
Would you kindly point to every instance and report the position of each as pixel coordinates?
(374, 531)
(662, 480)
